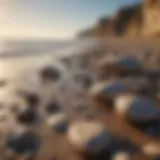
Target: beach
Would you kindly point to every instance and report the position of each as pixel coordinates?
(83, 60)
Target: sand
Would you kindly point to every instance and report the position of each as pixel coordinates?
(76, 102)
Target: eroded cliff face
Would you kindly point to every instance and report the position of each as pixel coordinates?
(127, 21)
(138, 20)
(151, 15)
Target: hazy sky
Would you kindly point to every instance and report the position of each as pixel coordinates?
(52, 18)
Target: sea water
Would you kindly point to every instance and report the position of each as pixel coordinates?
(16, 57)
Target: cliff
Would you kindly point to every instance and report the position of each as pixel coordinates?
(128, 20)
(137, 20)
(151, 15)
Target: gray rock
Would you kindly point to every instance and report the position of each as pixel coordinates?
(28, 116)
(135, 108)
(59, 122)
(88, 136)
(106, 92)
(23, 142)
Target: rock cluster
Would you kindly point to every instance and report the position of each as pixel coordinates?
(64, 105)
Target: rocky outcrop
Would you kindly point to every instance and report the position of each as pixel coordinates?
(151, 15)
(137, 20)
(128, 20)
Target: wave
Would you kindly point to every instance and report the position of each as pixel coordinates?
(23, 48)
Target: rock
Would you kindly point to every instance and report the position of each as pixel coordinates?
(84, 78)
(52, 107)
(151, 149)
(153, 129)
(89, 137)
(107, 91)
(107, 63)
(49, 106)
(121, 66)
(30, 93)
(151, 10)
(23, 141)
(140, 86)
(152, 74)
(135, 108)
(157, 158)
(50, 73)
(129, 64)
(32, 99)
(121, 156)
(59, 122)
(27, 116)
(129, 21)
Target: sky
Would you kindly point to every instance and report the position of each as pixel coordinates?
(55, 19)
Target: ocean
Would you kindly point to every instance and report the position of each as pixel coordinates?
(18, 56)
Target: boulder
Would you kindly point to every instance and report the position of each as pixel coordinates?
(27, 116)
(22, 141)
(52, 72)
(106, 92)
(121, 66)
(136, 109)
(88, 137)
